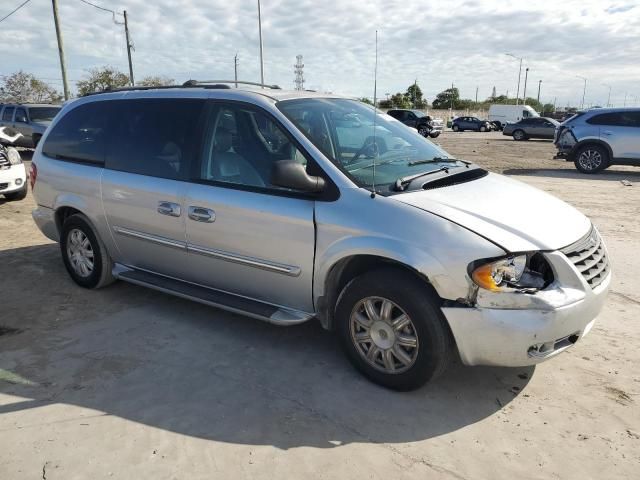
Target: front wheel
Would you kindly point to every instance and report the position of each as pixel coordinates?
(483, 128)
(591, 159)
(84, 255)
(392, 329)
(519, 135)
(423, 130)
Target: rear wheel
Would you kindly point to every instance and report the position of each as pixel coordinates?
(455, 128)
(84, 254)
(519, 135)
(591, 159)
(392, 329)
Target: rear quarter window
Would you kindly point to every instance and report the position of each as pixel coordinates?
(80, 135)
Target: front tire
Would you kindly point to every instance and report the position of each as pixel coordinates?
(83, 253)
(591, 159)
(483, 128)
(519, 135)
(392, 329)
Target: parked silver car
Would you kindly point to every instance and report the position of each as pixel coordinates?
(536, 127)
(598, 138)
(30, 119)
(288, 206)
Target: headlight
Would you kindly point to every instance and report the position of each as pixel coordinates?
(14, 156)
(520, 272)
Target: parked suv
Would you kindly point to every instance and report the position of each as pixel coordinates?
(461, 124)
(596, 139)
(426, 126)
(288, 206)
(30, 119)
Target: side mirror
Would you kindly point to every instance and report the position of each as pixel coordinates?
(291, 174)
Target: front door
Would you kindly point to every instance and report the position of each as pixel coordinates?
(144, 184)
(245, 235)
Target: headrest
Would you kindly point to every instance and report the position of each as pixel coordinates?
(223, 140)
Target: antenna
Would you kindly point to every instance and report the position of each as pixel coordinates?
(375, 114)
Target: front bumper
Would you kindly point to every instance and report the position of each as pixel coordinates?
(526, 329)
(13, 179)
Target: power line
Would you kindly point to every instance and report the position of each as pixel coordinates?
(101, 8)
(18, 8)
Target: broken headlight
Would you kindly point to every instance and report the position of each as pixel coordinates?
(521, 272)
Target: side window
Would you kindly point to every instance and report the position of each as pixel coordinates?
(635, 119)
(21, 115)
(241, 145)
(7, 115)
(610, 119)
(154, 137)
(80, 134)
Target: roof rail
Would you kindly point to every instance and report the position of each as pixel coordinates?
(196, 83)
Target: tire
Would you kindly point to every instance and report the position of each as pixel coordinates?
(519, 135)
(483, 128)
(426, 329)
(434, 134)
(455, 128)
(423, 130)
(15, 196)
(591, 159)
(100, 273)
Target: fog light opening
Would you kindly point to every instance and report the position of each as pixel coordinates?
(18, 181)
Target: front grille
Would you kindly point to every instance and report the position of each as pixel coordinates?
(589, 255)
(3, 186)
(4, 162)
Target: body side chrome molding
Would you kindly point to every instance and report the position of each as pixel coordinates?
(150, 238)
(248, 261)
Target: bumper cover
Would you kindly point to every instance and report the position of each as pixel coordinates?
(13, 179)
(536, 328)
(44, 218)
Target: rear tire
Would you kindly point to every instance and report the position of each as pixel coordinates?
(83, 253)
(519, 135)
(19, 195)
(392, 329)
(591, 159)
(455, 128)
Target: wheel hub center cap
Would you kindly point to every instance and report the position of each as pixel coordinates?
(383, 335)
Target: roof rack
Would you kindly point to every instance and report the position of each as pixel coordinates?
(198, 83)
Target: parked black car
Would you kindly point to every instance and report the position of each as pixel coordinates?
(422, 122)
(470, 123)
(534, 127)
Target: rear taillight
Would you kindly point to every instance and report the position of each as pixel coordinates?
(33, 174)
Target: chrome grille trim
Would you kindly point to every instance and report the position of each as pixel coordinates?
(589, 256)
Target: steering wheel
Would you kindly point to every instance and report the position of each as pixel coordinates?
(369, 150)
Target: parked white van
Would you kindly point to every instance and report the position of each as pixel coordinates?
(504, 114)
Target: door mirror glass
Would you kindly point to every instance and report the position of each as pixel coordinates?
(293, 175)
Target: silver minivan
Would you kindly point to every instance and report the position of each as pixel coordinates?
(289, 206)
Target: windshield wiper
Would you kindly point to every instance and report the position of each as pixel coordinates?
(438, 160)
(403, 182)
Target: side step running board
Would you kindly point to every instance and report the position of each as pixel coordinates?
(215, 298)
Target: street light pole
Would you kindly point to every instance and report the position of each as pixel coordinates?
(539, 84)
(609, 97)
(584, 91)
(519, 75)
(261, 50)
(524, 95)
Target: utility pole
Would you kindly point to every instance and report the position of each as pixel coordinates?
(625, 99)
(299, 71)
(63, 66)
(539, 84)
(476, 96)
(519, 75)
(129, 46)
(261, 50)
(524, 95)
(235, 68)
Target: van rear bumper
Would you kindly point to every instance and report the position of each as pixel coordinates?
(44, 218)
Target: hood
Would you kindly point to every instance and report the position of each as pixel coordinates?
(510, 213)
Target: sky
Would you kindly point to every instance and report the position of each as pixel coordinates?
(437, 43)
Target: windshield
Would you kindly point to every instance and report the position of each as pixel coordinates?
(419, 114)
(40, 114)
(344, 131)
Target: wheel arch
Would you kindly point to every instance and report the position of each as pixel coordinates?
(346, 269)
(590, 141)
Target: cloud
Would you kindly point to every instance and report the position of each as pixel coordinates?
(463, 42)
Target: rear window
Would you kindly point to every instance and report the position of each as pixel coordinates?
(154, 137)
(80, 135)
(7, 115)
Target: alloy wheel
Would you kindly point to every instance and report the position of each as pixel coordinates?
(384, 335)
(590, 159)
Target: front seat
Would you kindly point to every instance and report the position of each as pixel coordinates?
(228, 166)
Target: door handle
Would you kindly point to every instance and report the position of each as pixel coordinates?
(201, 214)
(169, 208)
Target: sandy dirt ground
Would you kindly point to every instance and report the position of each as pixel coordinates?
(132, 384)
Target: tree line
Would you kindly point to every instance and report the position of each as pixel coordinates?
(23, 87)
